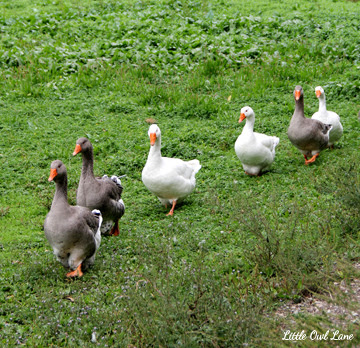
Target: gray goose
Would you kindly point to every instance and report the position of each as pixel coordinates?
(99, 193)
(308, 135)
(72, 231)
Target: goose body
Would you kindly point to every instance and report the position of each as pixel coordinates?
(328, 117)
(308, 135)
(99, 193)
(170, 179)
(72, 231)
(256, 151)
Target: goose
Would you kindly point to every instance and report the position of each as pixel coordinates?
(308, 135)
(328, 117)
(170, 179)
(256, 151)
(72, 231)
(99, 193)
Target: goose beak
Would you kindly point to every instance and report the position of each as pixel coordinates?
(297, 95)
(77, 149)
(242, 117)
(53, 173)
(152, 138)
(318, 93)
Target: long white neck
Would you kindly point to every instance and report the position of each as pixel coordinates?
(155, 150)
(249, 125)
(322, 103)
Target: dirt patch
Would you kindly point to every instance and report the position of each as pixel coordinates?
(340, 309)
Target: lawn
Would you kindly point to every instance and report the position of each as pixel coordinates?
(239, 246)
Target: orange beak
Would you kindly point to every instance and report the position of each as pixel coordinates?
(242, 117)
(318, 93)
(152, 138)
(297, 95)
(53, 173)
(77, 149)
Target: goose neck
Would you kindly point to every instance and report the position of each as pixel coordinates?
(249, 125)
(87, 169)
(322, 103)
(155, 150)
(60, 197)
(299, 107)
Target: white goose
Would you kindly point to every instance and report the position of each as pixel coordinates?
(328, 117)
(256, 151)
(170, 179)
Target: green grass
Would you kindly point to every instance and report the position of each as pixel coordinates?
(238, 246)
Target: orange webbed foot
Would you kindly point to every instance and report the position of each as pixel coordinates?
(76, 273)
(171, 212)
(115, 230)
(312, 159)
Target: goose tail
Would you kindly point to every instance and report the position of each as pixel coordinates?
(97, 237)
(195, 164)
(276, 142)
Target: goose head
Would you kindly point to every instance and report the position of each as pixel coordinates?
(319, 91)
(154, 134)
(82, 145)
(298, 93)
(246, 112)
(57, 171)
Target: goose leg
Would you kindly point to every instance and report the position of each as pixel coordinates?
(171, 212)
(115, 230)
(312, 159)
(76, 273)
(305, 158)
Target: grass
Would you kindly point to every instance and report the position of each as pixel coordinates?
(238, 246)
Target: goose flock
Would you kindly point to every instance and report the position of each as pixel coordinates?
(74, 232)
